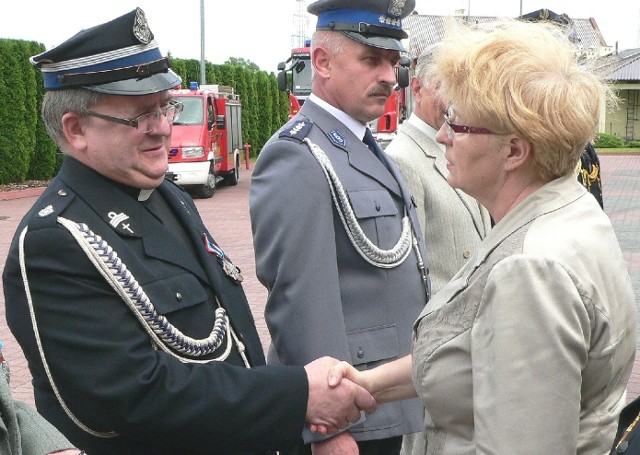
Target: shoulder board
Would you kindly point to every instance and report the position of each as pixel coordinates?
(46, 210)
(297, 129)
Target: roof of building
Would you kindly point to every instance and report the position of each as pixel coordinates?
(614, 66)
(623, 66)
(425, 30)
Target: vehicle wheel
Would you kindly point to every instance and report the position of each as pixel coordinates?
(206, 191)
(232, 178)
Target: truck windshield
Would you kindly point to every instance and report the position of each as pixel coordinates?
(301, 73)
(193, 112)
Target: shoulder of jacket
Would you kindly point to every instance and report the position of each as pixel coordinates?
(297, 129)
(49, 207)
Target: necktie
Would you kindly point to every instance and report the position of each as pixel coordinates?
(370, 142)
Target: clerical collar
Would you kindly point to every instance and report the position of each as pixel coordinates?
(144, 195)
(140, 195)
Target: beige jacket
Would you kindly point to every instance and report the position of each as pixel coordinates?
(529, 348)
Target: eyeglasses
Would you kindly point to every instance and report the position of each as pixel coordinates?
(455, 128)
(146, 123)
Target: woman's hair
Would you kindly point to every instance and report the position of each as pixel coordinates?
(523, 78)
(56, 103)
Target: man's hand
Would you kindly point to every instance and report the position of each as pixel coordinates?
(332, 408)
(342, 444)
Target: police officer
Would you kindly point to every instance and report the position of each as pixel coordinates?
(132, 318)
(336, 236)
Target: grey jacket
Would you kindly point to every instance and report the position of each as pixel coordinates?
(23, 431)
(324, 298)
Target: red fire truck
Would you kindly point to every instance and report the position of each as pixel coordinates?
(294, 77)
(206, 141)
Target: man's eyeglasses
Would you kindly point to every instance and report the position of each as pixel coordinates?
(146, 123)
(455, 128)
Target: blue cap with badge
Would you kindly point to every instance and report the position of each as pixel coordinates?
(119, 57)
(376, 23)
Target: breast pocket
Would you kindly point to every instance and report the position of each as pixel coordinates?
(374, 344)
(175, 293)
(376, 212)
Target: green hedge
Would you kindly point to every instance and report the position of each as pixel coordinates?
(605, 140)
(27, 152)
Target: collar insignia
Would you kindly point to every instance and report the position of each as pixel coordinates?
(337, 138)
(117, 218)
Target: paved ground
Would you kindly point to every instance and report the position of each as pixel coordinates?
(227, 216)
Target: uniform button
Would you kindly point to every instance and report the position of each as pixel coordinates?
(360, 352)
(622, 448)
(377, 206)
(62, 193)
(466, 254)
(178, 296)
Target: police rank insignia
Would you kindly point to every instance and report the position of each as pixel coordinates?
(231, 270)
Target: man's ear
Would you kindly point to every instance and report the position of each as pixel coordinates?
(520, 153)
(321, 60)
(74, 129)
(416, 85)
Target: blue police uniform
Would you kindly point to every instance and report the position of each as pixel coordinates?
(328, 216)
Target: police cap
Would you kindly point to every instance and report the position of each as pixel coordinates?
(376, 23)
(119, 57)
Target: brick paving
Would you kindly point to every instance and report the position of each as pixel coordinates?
(227, 216)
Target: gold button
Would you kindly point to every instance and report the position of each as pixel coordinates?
(466, 254)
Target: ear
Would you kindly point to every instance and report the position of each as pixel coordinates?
(416, 85)
(74, 128)
(321, 60)
(520, 153)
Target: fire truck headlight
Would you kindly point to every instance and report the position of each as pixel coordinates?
(192, 152)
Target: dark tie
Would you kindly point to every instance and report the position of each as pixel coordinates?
(370, 142)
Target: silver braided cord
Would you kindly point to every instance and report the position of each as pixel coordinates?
(161, 332)
(371, 253)
(140, 303)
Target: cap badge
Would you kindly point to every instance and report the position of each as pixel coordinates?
(141, 28)
(396, 7)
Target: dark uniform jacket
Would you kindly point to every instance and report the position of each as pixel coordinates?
(324, 297)
(102, 361)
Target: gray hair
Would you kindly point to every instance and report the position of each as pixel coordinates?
(330, 40)
(57, 103)
(423, 61)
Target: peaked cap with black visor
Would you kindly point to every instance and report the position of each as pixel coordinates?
(376, 23)
(119, 57)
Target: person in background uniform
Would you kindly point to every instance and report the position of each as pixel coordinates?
(134, 322)
(589, 173)
(528, 349)
(337, 239)
(22, 430)
(454, 223)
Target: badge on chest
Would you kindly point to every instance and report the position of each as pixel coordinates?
(229, 268)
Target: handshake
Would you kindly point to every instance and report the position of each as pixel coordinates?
(338, 392)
